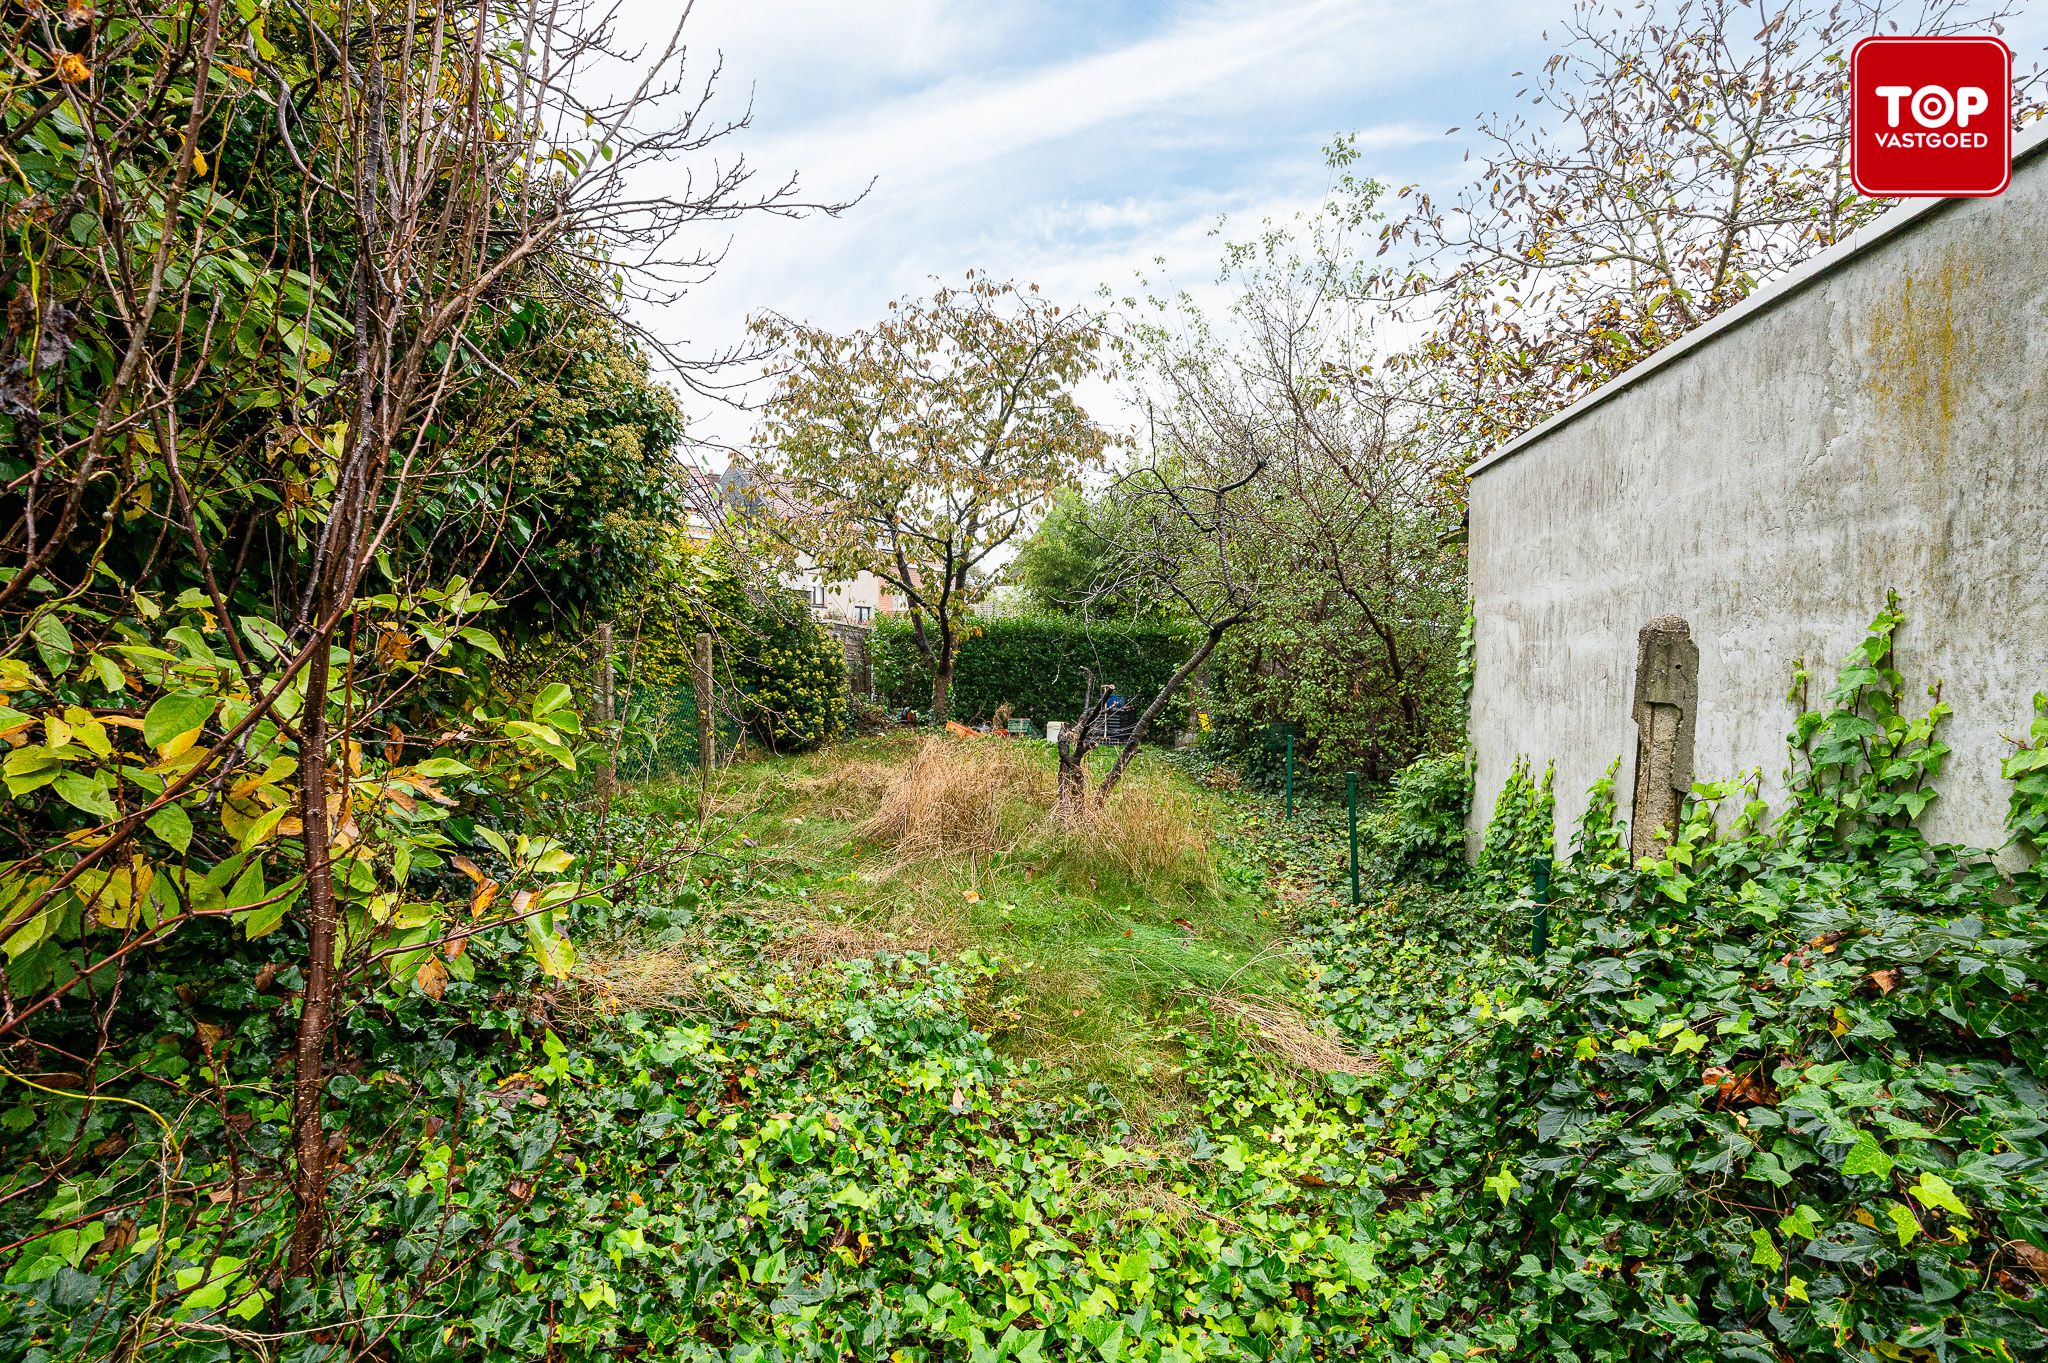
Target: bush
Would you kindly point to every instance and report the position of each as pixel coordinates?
(788, 670)
(1033, 663)
(1420, 822)
(792, 676)
(1777, 1094)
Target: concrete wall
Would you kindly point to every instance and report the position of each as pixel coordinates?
(1877, 420)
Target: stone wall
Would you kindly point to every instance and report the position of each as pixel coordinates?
(1877, 420)
(853, 641)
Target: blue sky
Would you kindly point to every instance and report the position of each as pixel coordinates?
(1062, 142)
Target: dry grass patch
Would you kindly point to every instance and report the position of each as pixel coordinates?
(955, 799)
(815, 944)
(847, 790)
(1290, 1037)
(1151, 832)
(607, 982)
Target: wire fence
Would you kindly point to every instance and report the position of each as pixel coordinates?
(658, 731)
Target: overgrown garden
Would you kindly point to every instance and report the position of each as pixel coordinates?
(389, 974)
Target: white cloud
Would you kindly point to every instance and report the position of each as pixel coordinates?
(1069, 150)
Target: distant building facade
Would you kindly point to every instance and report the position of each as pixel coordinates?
(710, 498)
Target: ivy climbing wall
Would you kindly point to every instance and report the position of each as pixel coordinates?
(1876, 421)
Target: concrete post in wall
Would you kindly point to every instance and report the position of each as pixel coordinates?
(1666, 710)
(707, 729)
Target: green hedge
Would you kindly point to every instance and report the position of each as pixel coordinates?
(1033, 663)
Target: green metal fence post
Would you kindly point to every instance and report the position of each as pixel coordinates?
(1351, 799)
(1539, 931)
(1290, 771)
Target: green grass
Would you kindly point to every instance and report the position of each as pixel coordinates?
(1102, 957)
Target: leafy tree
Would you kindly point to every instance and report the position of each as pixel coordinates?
(916, 448)
(280, 287)
(1675, 158)
(1070, 564)
(1288, 477)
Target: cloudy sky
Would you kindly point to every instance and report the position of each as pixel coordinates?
(1066, 142)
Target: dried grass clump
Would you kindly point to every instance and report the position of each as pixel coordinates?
(1288, 1036)
(1149, 833)
(821, 943)
(847, 790)
(1151, 1202)
(606, 983)
(951, 798)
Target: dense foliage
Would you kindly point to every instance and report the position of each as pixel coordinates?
(1033, 664)
(312, 364)
(1523, 828)
(593, 486)
(781, 675)
(1779, 1094)
(791, 673)
(1076, 562)
(771, 1160)
(1417, 826)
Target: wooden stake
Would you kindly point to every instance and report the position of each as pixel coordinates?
(607, 739)
(707, 733)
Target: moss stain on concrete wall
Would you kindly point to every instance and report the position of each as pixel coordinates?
(1919, 361)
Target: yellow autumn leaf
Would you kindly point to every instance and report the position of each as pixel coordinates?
(431, 977)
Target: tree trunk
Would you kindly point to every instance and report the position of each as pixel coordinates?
(1151, 712)
(316, 1008)
(942, 691)
(1075, 744)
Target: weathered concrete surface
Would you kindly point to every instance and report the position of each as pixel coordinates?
(1880, 423)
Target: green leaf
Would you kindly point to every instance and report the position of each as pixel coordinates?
(85, 792)
(53, 642)
(31, 934)
(483, 639)
(1904, 1222)
(552, 697)
(1934, 1191)
(1867, 1157)
(261, 921)
(174, 715)
(268, 637)
(173, 825)
(1801, 1224)
(1763, 1253)
(1503, 1185)
(248, 886)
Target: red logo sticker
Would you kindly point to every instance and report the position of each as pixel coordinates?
(1930, 117)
